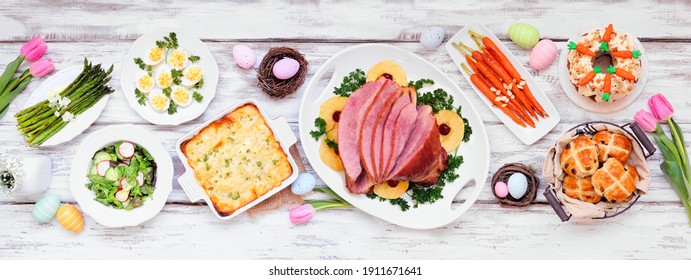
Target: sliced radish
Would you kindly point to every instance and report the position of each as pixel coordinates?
(125, 185)
(140, 179)
(122, 195)
(126, 150)
(102, 167)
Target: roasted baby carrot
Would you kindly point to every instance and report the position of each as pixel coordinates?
(484, 88)
(625, 74)
(488, 75)
(608, 33)
(494, 65)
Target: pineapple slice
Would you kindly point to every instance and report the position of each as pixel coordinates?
(330, 156)
(391, 189)
(330, 111)
(389, 70)
(451, 129)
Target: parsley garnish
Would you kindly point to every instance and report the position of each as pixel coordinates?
(422, 195)
(429, 195)
(176, 76)
(402, 203)
(420, 83)
(199, 84)
(150, 70)
(438, 99)
(467, 130)
(350, 83)
(321, 128)
(140, 62)
(169, 42)
(167, 91)
(173, 108)
(193, 58)
(197, 96)
(332, 144)
(141, 98)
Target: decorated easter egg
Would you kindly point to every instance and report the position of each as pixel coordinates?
(244, 56)
(45, 208)
(286, 68)
(524, 35)
(70, 218)
(432, 37)
(518, 185)
(543, 54)
(303, 184)
(501, 189)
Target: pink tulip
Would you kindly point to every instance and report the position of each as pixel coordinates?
(301, 214)
(42, 67)
(34, 49)
(645, 120)
(661, 107)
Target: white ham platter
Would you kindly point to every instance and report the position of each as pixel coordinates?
(458, 195)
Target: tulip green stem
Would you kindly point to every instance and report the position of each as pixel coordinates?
(679, 142)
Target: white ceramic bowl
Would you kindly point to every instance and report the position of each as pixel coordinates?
(193, 46)
(106, 215)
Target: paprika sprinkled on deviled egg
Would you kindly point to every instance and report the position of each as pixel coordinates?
(192, 75)
(154, 56)
(158, 100)
(181, 96)
(144, 81)
(164, 76)
(178, 59)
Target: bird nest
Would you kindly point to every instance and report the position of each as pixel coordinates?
(503, 174)
(274, 86)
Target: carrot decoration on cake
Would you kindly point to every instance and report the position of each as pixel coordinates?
(607, 86)
(590, 76)
(625, 74)
(581, 49)
(626, 54)
(608, 33)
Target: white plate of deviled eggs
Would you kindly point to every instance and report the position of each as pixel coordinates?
(169, 77)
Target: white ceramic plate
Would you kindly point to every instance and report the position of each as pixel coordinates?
(475, 152)
(194, 46)
(282, 133)
(527, 135)
(81, 163)
(589, 104)
(82, 121)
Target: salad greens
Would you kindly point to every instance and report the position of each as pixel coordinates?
(122, 175)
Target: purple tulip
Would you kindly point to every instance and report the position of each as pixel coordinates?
(301, 214)
(34, 49)
(661, 107)
(42, 67)
(645, 120)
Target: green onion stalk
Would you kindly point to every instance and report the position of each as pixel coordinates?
(43, 120)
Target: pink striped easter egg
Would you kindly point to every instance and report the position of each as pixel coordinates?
(543, 54)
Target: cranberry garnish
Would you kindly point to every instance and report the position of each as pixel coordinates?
(392, 183)
(387, 76)
(336, 116)
(444, 129)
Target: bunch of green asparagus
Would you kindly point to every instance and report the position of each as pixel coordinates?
(43, 120)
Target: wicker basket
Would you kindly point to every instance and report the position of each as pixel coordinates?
(503, 174)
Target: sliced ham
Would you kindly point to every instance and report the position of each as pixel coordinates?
(371, 112)
(421, 154)
(378, 135)
(349, 128)
(396, 133)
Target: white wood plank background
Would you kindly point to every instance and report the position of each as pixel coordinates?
(103, 31)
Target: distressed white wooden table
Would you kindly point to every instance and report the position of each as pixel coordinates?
(656, 227)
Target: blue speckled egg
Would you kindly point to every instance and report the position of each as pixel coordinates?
(432, 37)
(303, 184)
(46, 207)
(518, 185)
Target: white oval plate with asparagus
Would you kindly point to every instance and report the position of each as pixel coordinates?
(40, 124)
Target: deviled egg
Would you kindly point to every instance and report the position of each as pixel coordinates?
(181, 96)
(164, 76)
(144, 81)
(192, 75)
(158, 100)
(154, 56)
(178, 59)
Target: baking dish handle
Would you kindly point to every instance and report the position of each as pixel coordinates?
(552, 200)
(283, 132)
(645, 141)
(190, 186)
